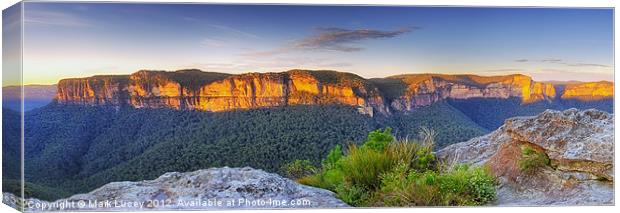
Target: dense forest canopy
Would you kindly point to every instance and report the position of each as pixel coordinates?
(73, 149)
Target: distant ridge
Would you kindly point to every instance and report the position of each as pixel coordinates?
(211, 91)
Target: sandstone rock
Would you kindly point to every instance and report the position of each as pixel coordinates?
(589, 91)
(208, 91)
(193, 89)
(215, 188)
(425, 89)
(579, 145)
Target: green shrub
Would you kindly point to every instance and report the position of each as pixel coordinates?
(401, 188)
(313, 180)
(333, 178)
(481, 186)
(378, 140)
(298, 169)
(327, 179)
(334, 155)
(461, 186)
(465, 185)
(352, 194)
(363, 166)
(387, 172)
(532, 159)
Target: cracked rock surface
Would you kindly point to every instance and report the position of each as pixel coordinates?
(579, 145)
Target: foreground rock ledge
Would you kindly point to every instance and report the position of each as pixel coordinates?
(215, 188)
(579, 144)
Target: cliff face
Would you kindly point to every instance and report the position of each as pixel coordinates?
(194, 89)
(220, 92)
(589, 91)
(425, 89)
(579, 146)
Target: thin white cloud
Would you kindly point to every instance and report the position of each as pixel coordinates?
(233, 30)
(562, 62)
(220, 27)
(52, 18)
(213, 42)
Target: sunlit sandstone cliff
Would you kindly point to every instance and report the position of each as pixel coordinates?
(424, 89)
(208, 91)
(589, 91)
(194, 89)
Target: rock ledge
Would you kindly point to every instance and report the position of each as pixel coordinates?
(215, 188)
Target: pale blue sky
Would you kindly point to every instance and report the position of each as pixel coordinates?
(76, 40)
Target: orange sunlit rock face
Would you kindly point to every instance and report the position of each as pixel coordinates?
(589, 91)
(425, 89)
(197, 90)
(154, 89)
(100, 90)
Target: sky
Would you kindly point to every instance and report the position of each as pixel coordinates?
(63, 40)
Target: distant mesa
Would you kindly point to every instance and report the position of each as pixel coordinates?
(210, 91)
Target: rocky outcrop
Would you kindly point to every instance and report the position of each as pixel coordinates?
(579, 144)
(194, 89)
(215, 188)
(589, 91)
(425, 89)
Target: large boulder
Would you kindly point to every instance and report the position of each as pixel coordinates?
(578, 144)
(215, 188)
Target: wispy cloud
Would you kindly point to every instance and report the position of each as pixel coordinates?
(213, 42)
(220, 27)
(52, 18)
(339, 39)
(587, 65)
(552, 60)
(562, 62)
(334, 39)
(233, 30)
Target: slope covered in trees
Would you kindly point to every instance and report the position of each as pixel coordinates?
(79, 148)
(490, 113)
(72, 149)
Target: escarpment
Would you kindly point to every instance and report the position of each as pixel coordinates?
(193, 89)
(589, 91)
(425, 89)
(209, 91)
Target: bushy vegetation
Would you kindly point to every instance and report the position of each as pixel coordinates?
(298, 169)
(384, 171)
(461, 185)
(532, 159)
